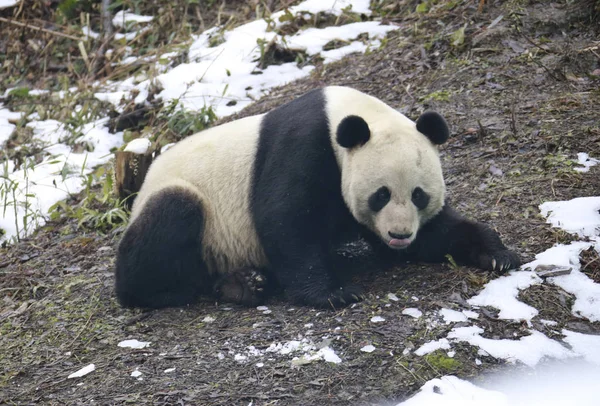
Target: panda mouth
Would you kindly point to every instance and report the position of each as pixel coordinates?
(399, 243)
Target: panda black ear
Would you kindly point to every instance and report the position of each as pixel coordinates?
(353, 131)
(434, 127)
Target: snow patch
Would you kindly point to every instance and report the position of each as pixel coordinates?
(138, 146)
(83, 371)
(8, 3)
(577, 216)
(122, 17)
(585, 345)
(529, 349)
(441, 344)
(377, 319)
(7, 128)
(452, 391)
(501, 293)
(412, 312)
(452, 316)
(368, 348)
(470, 314)
(303, 351)
(134, 344)
(58, 175)
(587, 162)
(586, 291)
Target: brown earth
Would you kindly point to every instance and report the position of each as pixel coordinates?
(522, 99)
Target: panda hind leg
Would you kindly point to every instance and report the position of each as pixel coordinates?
(159, 260)
(246, 286)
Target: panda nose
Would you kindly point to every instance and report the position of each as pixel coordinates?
(400, 236)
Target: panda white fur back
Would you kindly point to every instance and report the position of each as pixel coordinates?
(216, 165)
(262, 201)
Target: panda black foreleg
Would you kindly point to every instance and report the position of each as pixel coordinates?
(308, 279)
(468, 242)
(159, 260)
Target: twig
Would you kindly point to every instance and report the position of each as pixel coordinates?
(541, 65)
(414, 375)
(532, 42)
(35, 28)
(106, 18)
(513, 118)
(139, 317)
(589, 263)
(107, 32)
(482, 132)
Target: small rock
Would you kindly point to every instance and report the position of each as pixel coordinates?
(494, 170)
(548, 271)
(596, 72)
(106, 250)
(489, 36)
(457, 298)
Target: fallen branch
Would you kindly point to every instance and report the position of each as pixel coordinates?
(36, 28)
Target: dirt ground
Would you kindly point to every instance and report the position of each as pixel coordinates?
(522, 99)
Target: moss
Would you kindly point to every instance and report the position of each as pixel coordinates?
(442, 362)
(440, 95)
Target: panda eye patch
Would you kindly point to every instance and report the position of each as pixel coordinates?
(379, 199)
(420, 198)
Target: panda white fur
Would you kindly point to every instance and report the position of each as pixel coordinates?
(267, 198)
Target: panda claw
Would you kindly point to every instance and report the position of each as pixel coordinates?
(355, 297)
(493, 264)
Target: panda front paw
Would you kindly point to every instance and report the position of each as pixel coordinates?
(345, 296)
(499, 261)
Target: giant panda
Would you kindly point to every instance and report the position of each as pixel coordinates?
(268, 198)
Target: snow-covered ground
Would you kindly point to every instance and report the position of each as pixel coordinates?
(563, 372)
(571, 384)
(225, 77)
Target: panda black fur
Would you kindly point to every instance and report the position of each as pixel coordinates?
(274, 195)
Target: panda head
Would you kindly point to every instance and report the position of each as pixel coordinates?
(391, 172)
